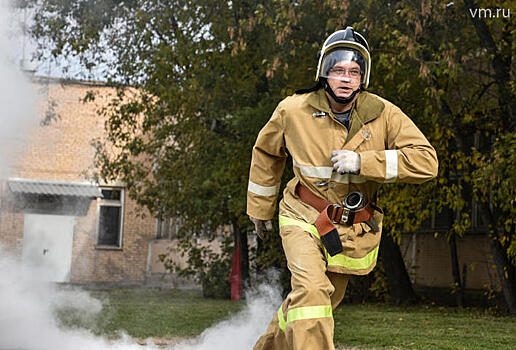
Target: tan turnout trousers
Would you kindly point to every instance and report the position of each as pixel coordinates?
(305, 319)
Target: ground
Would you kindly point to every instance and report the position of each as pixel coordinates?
(170, 316)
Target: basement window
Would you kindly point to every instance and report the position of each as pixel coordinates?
(110, 218)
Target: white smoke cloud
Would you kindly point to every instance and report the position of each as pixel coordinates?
(28, 313)
(17, 98)
(28, 318)
(242, 330)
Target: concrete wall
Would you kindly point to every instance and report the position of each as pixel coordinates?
(428, 260)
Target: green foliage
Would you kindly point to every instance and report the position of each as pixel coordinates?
(207, 267)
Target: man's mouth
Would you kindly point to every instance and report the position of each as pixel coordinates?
(346, 89)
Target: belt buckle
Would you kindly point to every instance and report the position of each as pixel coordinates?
(345, 214)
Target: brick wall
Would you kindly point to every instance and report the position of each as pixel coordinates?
(62, 151)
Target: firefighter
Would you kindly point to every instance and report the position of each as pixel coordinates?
(344, 143)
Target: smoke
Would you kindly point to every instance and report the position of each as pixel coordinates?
(28, 308)
(28, 318)
(17, 98)
(242, 330)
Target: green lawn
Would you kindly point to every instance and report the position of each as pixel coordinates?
(380, 326)
(144, 313)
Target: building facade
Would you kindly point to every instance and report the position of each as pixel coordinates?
(72, 229)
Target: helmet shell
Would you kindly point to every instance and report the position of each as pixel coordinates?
(350, 40)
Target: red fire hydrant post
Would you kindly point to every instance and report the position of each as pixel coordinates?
(235, 277)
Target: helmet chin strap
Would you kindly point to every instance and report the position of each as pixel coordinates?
(343, 100)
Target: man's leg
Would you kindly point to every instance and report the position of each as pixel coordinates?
(305, 318)
(340, 282)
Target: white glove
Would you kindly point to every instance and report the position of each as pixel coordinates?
(258, 226)
(346, 162)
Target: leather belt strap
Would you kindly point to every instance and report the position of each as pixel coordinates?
(332, 211)
(331, 214)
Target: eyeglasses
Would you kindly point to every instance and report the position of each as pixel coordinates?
(340, 72)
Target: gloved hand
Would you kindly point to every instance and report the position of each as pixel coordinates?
(258, 225)
(346, 162)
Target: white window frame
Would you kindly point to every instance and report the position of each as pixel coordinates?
(101, 202)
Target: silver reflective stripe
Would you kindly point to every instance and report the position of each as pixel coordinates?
(263, 190)
(391, 165)
(348, 178)
(324, 172)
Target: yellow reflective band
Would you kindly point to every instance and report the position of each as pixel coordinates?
(354, 263)
(339, 259)
(286, 221)
(308, 312)
(281, 321)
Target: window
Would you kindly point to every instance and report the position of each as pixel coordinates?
(167, 228)
(110, 220)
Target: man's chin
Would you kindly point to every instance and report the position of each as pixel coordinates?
(345, 95)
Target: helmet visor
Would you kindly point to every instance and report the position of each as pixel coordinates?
(343, 71)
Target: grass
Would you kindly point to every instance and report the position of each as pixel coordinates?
(154, 313)
(380, 326)
(143, 313)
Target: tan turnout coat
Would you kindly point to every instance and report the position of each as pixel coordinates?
(391, 148)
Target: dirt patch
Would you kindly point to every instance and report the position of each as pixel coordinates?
(161, 343)
(165, 343)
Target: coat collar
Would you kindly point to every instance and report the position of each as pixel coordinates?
(367, 108)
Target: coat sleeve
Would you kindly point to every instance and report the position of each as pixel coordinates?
(408, 156)
(267, 165)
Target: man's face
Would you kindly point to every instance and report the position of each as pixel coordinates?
(344, 78)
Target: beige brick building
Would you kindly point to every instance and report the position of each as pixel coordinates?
(50, 214)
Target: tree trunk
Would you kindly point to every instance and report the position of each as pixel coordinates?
(504, 267)
(244, 259)
(459, 288)
(505, 272)
(400, 287)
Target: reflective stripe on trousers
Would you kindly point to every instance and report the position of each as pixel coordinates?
(339, 259)
(304, 313)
